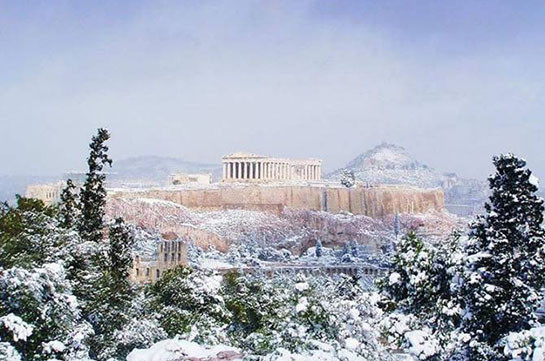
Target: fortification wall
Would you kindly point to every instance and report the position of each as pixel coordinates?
(371, 201)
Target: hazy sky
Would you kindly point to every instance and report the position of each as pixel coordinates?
(452, 81)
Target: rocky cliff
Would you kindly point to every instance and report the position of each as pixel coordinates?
(292, 229)
(378, 201)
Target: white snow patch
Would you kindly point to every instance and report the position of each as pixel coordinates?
(302, 305)
(394, 278)
(174, 349)
(19, 328)
(54, 346)
(421, 344)
(351, 343)
(301, 286)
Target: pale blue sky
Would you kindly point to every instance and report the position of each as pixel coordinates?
(453, 82)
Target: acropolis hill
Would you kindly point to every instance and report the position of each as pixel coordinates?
(259, 183)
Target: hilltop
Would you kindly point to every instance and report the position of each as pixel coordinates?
(392, 164)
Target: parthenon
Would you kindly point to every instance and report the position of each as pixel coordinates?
(245, 167)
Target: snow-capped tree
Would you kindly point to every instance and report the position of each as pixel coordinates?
(93, 193)
(109, 305)
(319, 248)
(39, 316)
(348, 178)
(423, 310)
(505, 267)
(353, 248)
(29, 234)
(417, 279)
(69, 205)
(120, 245)
(397, 225)
(188, 303)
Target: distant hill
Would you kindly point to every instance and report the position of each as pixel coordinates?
(391, 164)
(156, 169)
(143, 171)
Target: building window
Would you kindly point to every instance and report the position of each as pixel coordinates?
(137, 272)
(166, 257)
(172, 257)
(179, 257)
(158, 273)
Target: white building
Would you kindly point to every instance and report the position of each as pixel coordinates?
(48, 193)
(245, 167)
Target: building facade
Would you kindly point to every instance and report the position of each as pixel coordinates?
(245, 167)
(47, 193)
(170, 254)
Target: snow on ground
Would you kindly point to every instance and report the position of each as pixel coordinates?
(175, 349)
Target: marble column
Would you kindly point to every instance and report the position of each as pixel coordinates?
(251, 175)
(239, 170)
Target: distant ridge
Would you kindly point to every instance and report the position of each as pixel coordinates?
(157, 168)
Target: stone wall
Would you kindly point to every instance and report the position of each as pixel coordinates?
(377, 201)
(170, 254)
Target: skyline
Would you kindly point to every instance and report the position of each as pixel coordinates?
(454, 84)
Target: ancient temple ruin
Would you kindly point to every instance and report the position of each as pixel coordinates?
(245, 167)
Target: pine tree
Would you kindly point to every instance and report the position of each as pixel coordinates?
(319, 250)
(111, 298)
(69, 205)
(397, 225)
(505, 266)
(354, 248)
(93, 194)
(119, 255)
(348, 178)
